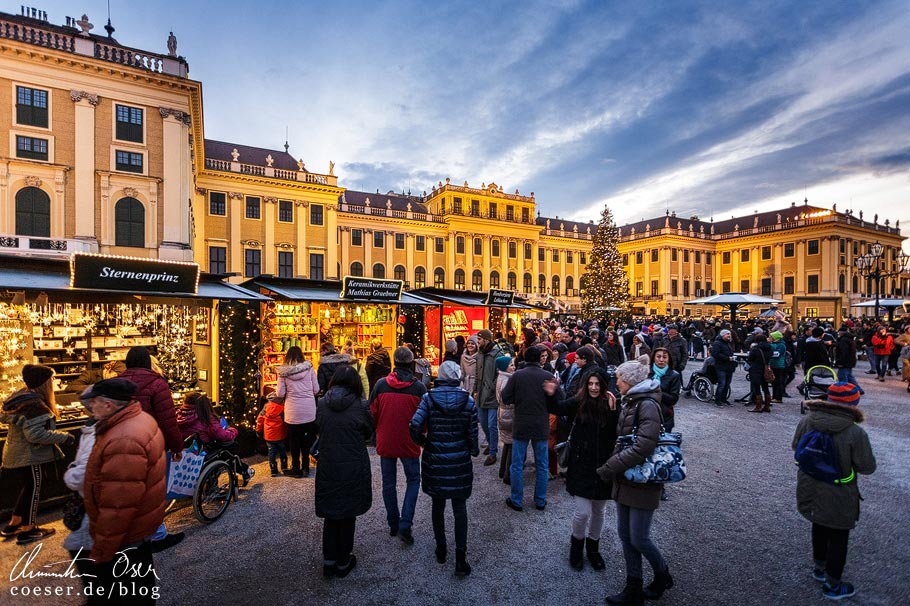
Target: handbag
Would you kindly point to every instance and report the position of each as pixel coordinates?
(769, 372)
(73, 511)
(665, 465)
(564, 449)
(183, 475)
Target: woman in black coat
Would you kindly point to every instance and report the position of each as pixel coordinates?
(344, 488)
(759, 354)
(670, 385)
(591, 442)
(449, 417)
(613, 350)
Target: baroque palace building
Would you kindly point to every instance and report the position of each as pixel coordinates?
(106, 153)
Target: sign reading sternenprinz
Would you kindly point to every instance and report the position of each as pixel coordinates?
(500, 298)
(371, 289)
(102, 272)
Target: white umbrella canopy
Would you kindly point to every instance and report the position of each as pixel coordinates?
(608, 308)
(734, 298)
(882, 303)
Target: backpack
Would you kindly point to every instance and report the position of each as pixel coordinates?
(816, 456)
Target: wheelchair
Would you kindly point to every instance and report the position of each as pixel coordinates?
(702, 383)
(222, 474)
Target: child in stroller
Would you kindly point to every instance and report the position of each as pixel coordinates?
(815, 385)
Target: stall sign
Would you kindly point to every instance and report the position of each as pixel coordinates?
(104, 272)
(500, 298)
(371, 289)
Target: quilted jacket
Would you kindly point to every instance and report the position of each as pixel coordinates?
(393, 403)
(270, 422)
(298, 386)
(154, 394)
(32, 435)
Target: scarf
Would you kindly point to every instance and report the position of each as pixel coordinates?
(659, 372)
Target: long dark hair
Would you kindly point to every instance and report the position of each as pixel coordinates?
(346, 377)
(202, 405)
(594, 408)
(293, 356)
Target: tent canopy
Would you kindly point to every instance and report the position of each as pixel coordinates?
(734, 298)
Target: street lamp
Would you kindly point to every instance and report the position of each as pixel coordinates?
(869, 266)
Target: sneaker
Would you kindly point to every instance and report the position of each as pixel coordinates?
(511, 505)
(248, 475)
(541, 507)
(35, 534)
(343, 571)
(818, 574)
(838, 592)
(167, 542)
(406, 536)
(10, 530)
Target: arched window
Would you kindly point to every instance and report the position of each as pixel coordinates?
(420, 277)
(476, 280)
(570, 284)
(129, 223)
(511, 283)
(581, 283)
(459, 279)
(439, 278)
(378, 270)
(357, 269)
(494, 279)
(400, 273)
(33, 213)
(542, 284)
(526, 283)
(842, 283)
(855, 283)
(555, 286)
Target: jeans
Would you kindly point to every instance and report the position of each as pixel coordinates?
(723, 384)
(519, 452)
(881, 365)
(337, 540)
(460, 512)
(634, 528)
(589, 518)
(873, 359)
(845, 375)
(490, 427)
(301, 437)
(277, 452)
(389, 467)
(829, 550)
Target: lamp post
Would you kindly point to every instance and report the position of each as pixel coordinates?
(869, 266)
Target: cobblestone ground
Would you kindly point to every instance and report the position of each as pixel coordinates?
(730, 532)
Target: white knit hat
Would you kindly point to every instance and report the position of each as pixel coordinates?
(635, 371)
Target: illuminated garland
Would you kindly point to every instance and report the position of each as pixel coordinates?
(240, 348)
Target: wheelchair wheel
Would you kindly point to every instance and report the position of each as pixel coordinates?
(214, 491)
(703, 389)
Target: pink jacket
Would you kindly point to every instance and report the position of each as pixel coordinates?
(190, 424)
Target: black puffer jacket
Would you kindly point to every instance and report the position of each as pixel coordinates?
(449, 416)
(722, 352)
(327, 366)
(343, 480)
(591, 446)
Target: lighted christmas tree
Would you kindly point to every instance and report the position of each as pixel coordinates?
(175, 347)
(605, 281)
(239, 336)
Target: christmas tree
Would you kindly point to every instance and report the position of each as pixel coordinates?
(239, 337)
(605, 281)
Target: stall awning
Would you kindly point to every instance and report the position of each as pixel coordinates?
(326, 291)
(225, 291)
(466, 298)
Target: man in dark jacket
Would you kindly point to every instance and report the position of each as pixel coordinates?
(485, 391)
(378, 363)
(679, 348)
(525, 391)
(845, 357)
(393, 403)
(724, 364)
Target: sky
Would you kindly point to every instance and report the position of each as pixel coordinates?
(714, 109)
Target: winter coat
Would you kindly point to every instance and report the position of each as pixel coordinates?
(393, 403)
(191, 424)
(815, 354)
(327, 366)
(505, 416)
(524, 391)
(834, 505)
(591, 446)
(298, 386)
(679, 352)
(469, 372)
(639, 349)
(344, 486)
(125, 481)
(485, 385)
(645, 397)
(360, 367)
(74, 478)
(882, 346)
(759, 355)
(670, 386)
(448, 416)
(722, 352)
(32, 437)
(154, 394)
(779, 355)
(270, 422)
(845, 352)
(379, 364)
(613, 354)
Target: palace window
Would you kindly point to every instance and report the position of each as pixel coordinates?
(555, 286)
(744, 286)
(583, 258)
(541, 254)
(674, 255)
(378, 240)
(478, 247)
(766, 287)
(654, 255)
(285, 264)
(217, 203)
(420, 277)
(475, 208)
(459, 245)
(528, 250)
(440, 245)
(510, 212)
(439, 277)
(526, 283)
(842, 283)
(379, 271)
(129, 223)
(129, 123)
(399, 241)
(789, 285)
(639, 289)
(707, 258)
(570, 285)
(542, 284)
(317, 266)
(33, 214)
(31, 147)
(725, 286)
(285, 211)
(789, 249)
(525, 215)
(130, 162)
(686, 256)
(812, 284)
(639, 257)
(252, 262)
(726, 258)
(494, 248)
(356, 237)
(654, 288)
(253, 208)
(494, 279)
(316, 214)
(400, 273)
(513, 249)
(420, 243)
(459, 279)
(512, 281)
(217, 259)
(570, 258)
(812, 247)
(456, 206)
(765, 253)
(674, 288)
(685, 288)
(476, 280)
(625, 258)
(555, 255)
(493, 211)
(31, 107)
(357, 269)
(744, 255)
(698, 256)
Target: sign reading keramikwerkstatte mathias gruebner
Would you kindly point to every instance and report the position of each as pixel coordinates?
(371, 289)
(135, 275)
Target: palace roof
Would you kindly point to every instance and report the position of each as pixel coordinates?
(221, 150)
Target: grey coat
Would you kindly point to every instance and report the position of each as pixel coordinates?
(834, 505)
(32, 437)
(485, 385)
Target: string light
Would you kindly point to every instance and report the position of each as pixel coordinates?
(240, 338)
(606, 283)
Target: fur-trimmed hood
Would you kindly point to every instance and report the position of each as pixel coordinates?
(25, 403)
(843, 414)
(336, 358)
(288, 371)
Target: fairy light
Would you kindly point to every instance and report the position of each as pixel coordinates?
(239, 335)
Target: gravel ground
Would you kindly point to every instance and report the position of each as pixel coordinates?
(730, 532)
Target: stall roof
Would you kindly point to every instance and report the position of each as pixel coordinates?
(329, 291)
(464, 297)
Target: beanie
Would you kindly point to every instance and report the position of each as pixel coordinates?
(725, 332)
(502, 362)
(36, 375)
(451, 346)
(449, 371)
(570, 357)
(485, 334)
(844, 393)
(403, 356)
(817, 332)
(777, 335)
(634, 371)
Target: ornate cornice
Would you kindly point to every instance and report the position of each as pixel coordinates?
(270, 200)
(253, 243)
(202, 191)
(132, 192)
(180, 116)
(301, 203)
(31, 181)
(235, 195)
(79, 95)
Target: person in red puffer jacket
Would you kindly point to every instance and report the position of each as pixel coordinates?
(270, 423)
(882, 344)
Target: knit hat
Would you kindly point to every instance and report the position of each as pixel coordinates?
(634, 371)
(844, 328)
(36, 375)
(844, 393)
(502, 362)
(485, 334)
(403, 355)
(817, 332)
(570, 357)
(449, 371)
(451, 346)
(725, 332)
(118, 389)
(777, 335)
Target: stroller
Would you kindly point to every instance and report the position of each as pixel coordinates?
(815, 385)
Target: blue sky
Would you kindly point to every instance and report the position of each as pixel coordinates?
(707, 108)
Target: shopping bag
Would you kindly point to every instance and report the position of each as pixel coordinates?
(183, 475)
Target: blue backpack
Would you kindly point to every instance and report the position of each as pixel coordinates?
(816, 455)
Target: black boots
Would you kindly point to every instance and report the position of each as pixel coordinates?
(576, 551)
(631, 595)
(593, 549)
(462, 568)
(662, 581)
(441, 554)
